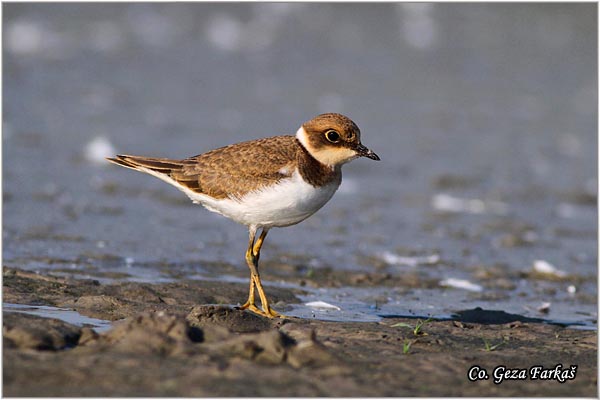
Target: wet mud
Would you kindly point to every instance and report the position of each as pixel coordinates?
(164, 342)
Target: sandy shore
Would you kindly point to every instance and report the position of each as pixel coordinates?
(164, 343)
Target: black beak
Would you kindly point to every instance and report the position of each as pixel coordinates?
(362, 151)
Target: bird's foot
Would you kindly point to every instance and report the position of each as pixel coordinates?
(253, 308)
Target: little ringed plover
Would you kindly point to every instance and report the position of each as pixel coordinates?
(272, 182)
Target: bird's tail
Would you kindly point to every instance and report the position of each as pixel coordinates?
(138, 163)
(170, 171)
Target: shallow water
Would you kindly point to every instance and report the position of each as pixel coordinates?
(63, 314)
(484, 116)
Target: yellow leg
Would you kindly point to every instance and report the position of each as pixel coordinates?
(257, 246)
(252, 256)
(250, 303)
(250, 300)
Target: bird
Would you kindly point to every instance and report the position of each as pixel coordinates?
(264, 183)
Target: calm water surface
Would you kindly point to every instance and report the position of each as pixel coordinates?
(484, 117)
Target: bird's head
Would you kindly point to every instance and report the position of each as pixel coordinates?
(333, 139)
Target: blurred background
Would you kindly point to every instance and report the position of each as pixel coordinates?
(484, 116)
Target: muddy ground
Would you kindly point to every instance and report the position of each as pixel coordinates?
(167, 342)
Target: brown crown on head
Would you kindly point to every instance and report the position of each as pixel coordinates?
(333, 139)
(317, 128)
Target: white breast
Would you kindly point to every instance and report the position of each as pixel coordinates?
(290, 201)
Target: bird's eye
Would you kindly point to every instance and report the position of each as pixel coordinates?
(332, 136)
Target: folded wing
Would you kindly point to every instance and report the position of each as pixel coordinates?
(230, 171)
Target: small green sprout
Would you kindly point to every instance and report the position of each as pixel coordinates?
(490, 347)
(416, 328)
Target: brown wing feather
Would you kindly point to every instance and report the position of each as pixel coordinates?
(233, 170)
(239, 168)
